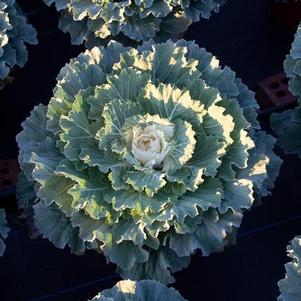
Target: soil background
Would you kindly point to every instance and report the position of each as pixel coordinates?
(244, 36)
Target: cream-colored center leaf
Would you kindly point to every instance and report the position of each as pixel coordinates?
(150, 144)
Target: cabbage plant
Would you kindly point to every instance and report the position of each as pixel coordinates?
(287, 125)
(14, 32)
(146, 154)
(143, 290)
(3, 231)
(98, 21)
(290, 286)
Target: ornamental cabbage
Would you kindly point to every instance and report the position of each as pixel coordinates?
(290, 286)
(3, 231)
(287, 125)
(14, 32)
(98, 21)
(146, 154)
(143, 290)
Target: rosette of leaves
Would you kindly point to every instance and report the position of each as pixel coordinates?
(143, 290)
(97, 22)
(290, 286)
(3, 231)
(146, 154)
(14, 33)
(287, 125)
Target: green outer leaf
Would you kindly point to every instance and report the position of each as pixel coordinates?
(287, 125)
(56, 227)
(14, 33)
(263, 164)
(91, 229)
(125, 254)
(77, 130)
(89, 191)
(205, 8)
(292, 64)
(45, 157)
(158, 267)
(60, 4)
(30, 137)
(208, 195)
(126, 21)
(209, 236)
(290, 286)
(129, 230)
(128, 290)
(237, 195)
(56, 190)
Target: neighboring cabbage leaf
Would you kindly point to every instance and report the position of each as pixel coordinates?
(143, 290)
(14, 33)
(290, 286)
(97, 22)
(3, 231)
(287, 125)
(147, 154)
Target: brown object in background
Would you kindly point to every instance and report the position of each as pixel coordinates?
(273, 91)
(287, 13)
(8, 173)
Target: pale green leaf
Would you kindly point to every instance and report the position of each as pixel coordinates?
(208, 195)
(125, 254)
(148, 181)
(158, 267)
(209, 236)
(56, 227)
(172, 103)
(77, 130)
(290, 286)
(128, 290)
(237, 195)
